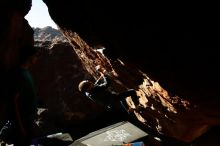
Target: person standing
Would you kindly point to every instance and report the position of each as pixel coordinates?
(21, 101)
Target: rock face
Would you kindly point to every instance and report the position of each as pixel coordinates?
(62, 65)
(57, 74)
(157, 109)
(180, 52)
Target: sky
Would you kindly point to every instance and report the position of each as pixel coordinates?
(39, 16)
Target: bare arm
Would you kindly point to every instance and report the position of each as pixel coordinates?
(103, 82)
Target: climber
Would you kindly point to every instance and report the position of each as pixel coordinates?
(99, 93)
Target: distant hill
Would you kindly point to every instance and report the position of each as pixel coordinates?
(48, 34)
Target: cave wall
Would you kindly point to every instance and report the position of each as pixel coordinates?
(174, 43)
(15, 32)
